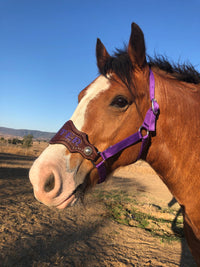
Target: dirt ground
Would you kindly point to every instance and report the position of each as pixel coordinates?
(32, 234)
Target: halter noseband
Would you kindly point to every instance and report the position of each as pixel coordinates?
(77, 141)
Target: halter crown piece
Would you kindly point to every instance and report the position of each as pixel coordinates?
(77, 141)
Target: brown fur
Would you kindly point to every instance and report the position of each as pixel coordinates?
(174, 150)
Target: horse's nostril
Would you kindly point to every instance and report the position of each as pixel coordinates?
(50, 183)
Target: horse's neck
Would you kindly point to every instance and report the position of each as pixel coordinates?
(174, 152)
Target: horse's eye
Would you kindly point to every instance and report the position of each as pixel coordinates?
(119, 102)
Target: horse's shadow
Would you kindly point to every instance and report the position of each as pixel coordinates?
(51, 241)
(186, 256)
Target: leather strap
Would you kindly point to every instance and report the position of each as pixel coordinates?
(75, 141)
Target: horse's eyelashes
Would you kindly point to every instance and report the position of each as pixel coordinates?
(119, 102)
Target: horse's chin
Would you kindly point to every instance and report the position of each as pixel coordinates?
(72, 200)
(69, 202)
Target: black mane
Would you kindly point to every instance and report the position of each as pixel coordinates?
(183, 72)
(121, 64)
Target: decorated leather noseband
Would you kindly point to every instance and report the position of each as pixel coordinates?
(77, 141)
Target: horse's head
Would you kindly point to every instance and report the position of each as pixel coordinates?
(110, 109)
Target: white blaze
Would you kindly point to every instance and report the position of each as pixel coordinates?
(54, 159)
(99, 85)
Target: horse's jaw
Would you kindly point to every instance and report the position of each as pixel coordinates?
(55, 184)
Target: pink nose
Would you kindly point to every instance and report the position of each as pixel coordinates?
(49, 183)
(46, 183)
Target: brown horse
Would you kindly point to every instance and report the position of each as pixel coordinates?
(110, 110)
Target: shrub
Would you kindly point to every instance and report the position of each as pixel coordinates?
(28, 140)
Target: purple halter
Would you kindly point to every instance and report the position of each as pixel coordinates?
(77, 141)
(149, 125)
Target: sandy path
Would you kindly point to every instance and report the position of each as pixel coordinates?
(34, 235)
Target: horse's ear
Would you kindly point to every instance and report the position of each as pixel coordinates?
(136, 47)
(101, 55)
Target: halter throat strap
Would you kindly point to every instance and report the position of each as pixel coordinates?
(77, 141)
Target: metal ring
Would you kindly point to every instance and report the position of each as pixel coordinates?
(140, 130)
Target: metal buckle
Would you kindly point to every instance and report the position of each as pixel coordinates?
(155, 112)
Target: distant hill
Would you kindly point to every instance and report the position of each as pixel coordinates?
(22, 132)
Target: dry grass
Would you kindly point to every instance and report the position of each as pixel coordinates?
(33, 151)
(17, 156)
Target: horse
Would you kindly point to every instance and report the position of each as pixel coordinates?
(137, 108)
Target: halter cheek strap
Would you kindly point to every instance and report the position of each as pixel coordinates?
(149, 124)
(77, 141)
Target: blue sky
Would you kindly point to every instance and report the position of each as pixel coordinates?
(47, 49)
